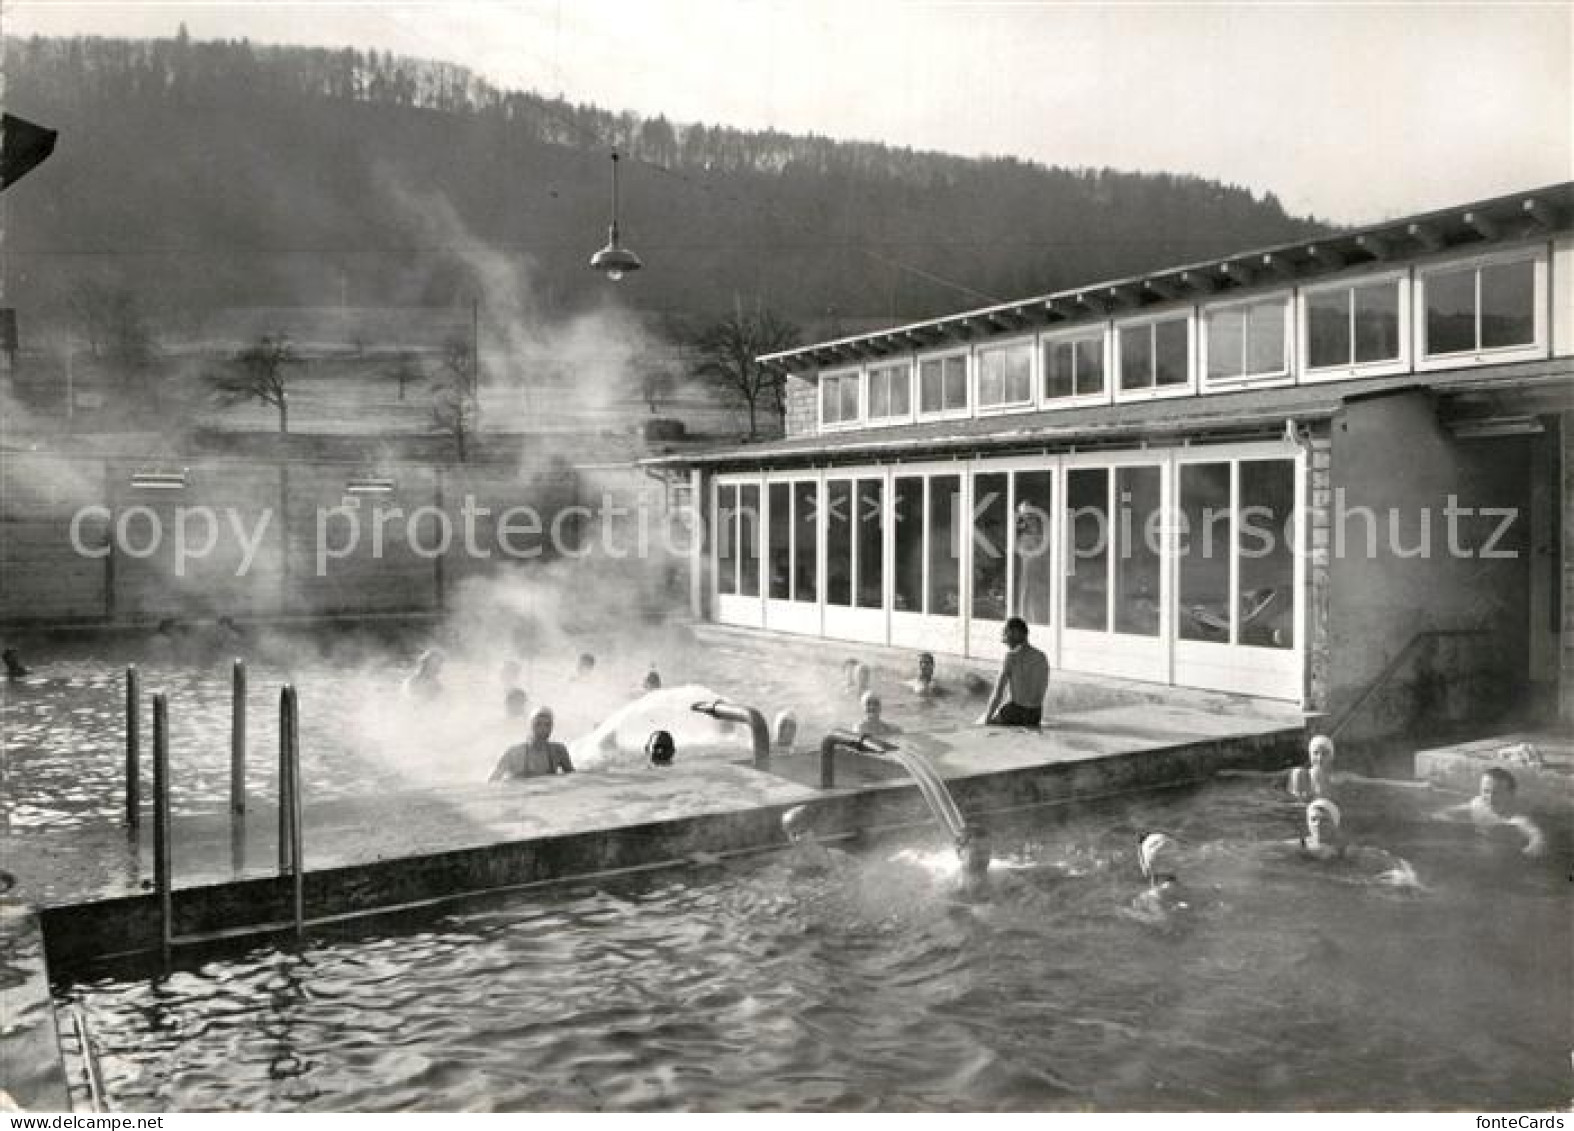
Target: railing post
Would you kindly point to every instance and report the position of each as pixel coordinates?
(297, 851)
(238, 739)
(286, 786)
(161, 845)
(133, 747)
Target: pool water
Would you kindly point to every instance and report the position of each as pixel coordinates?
(63, 727)
(1287, 985)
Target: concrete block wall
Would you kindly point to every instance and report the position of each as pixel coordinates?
(296, 516)
(1566, 519)
(1318, 501)
(803, 409)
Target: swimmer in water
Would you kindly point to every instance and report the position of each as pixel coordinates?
(872, 723)
(924, 684)
(975, 850)
(1164, 895)
(424, 682)
(652, 678)
(806, 855)
(1495, 806)
(515, 703)
(1323, 840)
(14, 667)
(1316, 778)
(785, 731)
(538, 756)
(660, 750)
(585, 666)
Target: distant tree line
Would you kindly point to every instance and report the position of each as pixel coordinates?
(205, 175)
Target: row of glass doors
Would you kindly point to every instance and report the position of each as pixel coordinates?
(1180, 567)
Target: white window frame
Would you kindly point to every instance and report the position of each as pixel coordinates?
(1284, 375)
(967, 383)
(1536, 255)
(1028, 402)
(874, 368)
(839, 375)
(1401, 364)
(1187, 388)
(1087, 330)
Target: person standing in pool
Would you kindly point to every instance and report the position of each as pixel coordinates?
(1164, 896)
(538, 756)
(924, 684)
(1495, 806)
(806, 856)
(1322, 840)
(872, 723)
(14, 667)
(1018, 698)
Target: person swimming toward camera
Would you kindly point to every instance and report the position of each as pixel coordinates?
(1163, 896)
(1496, 806)
(805, 854)
(924, 685)
(873, 723)
(538, 756)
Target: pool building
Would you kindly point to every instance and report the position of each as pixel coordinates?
(1333, 472)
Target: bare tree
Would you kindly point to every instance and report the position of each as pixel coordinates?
(456, 400)
(260, 372)
(657, 384)
(727, 352)
(115, 328)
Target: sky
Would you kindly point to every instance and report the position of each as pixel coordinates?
(1353, 112)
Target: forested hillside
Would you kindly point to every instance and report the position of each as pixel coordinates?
(206, 176)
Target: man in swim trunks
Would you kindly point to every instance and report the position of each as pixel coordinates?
(1018, 698)
(1496, 805)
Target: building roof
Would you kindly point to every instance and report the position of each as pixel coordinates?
(1255, 411)
(1515, 216)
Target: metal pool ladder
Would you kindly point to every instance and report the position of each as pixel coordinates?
(90, 1066)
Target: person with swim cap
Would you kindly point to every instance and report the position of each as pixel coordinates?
(1316, 778)
(536, 757)
(1163, 894)
(1323, 840)
(806, 855)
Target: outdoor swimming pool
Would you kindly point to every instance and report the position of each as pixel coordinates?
(64, 724)
(1289, 985)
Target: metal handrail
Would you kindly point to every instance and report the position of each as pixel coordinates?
(1393, 666)
(90, 1065)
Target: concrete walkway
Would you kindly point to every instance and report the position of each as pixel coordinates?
(83, 864)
